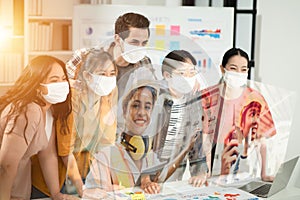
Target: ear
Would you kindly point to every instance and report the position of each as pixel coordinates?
(117, 39)
(86, 75)
(166, 75)
(42, 90)
(222, 69)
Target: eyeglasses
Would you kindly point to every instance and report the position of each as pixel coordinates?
(185, 72)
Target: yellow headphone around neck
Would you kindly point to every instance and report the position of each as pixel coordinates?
(136, 145)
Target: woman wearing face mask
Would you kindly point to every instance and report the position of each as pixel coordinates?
(234, 92)
(94, 107)
(29, 110)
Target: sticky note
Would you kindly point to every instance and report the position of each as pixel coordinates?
(138, 196)
(175, 29)
(174, 45)
(160, 44)
(160, 29)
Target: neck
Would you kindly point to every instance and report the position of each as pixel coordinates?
(175, 94)
(232, 93)
(121, 62)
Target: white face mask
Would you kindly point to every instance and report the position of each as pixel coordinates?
(132, 53)
(235, 79)
(102, 85)
(183, 85)
(57, 92)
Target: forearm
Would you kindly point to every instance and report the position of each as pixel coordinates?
(207, 148)
(49, 165)
(7, 176)
(72, 168)
(176, 163)
(73, 172)
(264, 176)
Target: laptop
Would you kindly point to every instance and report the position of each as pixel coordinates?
(263, 189)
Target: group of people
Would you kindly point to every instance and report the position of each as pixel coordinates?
(60, 124)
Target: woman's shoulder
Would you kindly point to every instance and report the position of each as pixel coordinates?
(33, 109)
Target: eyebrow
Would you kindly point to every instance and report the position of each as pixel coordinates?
(55, 76)
(138, 101)
(237, 66)
(149, 103)
(135, 40)
(102, 70)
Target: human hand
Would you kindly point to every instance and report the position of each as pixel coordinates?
(61, 196)
(151, 187)
(79, 184)
(198, 181)
(94, 193)
(196, 87)
(268, 178)
(229, 156)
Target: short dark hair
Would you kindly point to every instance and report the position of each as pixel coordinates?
(130, 20)
(234, 52)
(176, 55)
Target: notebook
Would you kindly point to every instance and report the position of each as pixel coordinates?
(263, 189)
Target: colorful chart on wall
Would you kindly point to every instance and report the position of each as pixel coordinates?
(205, 32)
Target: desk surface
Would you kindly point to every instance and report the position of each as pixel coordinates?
(181, 190)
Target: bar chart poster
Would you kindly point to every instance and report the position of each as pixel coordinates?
(205, 32)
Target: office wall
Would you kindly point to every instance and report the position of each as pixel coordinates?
(278, 58)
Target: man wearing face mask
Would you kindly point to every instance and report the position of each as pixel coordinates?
(131, 35)
(233, 93)
(181, 119)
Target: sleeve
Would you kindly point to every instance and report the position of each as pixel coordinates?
(27, 130)
(99, 174)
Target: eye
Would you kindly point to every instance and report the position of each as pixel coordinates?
(144, 43)
(232, 68)
(54, 80)
(101, 73)
(148, 107)
(135, 105)
(135, 43)
(112, 73)
(244, 70)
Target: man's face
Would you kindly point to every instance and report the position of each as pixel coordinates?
(251, 121)
(138, 112)
(137, 37)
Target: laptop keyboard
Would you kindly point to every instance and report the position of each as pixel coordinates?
(262, 191)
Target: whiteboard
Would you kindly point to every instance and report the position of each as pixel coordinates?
(206, 32)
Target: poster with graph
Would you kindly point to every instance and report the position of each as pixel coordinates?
(205, 32)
